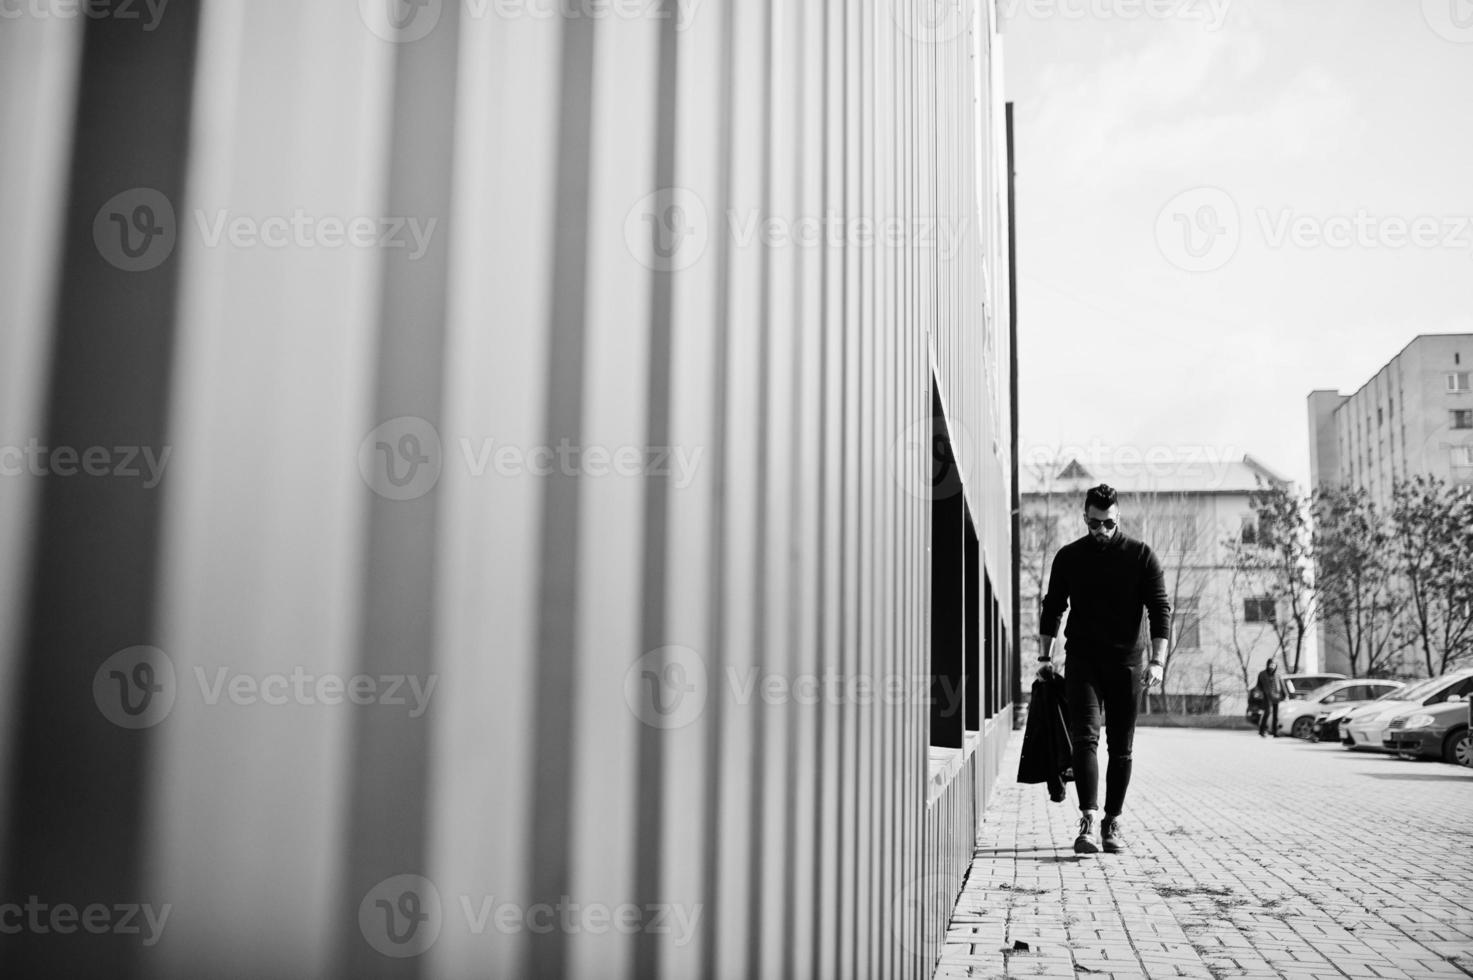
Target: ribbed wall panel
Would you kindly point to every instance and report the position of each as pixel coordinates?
(619, 657)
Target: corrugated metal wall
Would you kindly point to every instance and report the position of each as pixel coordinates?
(432, 510)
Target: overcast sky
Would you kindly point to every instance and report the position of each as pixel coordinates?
(1225, 204)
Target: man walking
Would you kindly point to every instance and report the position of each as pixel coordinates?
(1268, 689)
(1105, 579)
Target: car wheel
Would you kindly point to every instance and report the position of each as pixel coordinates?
(1458, 749)
(1301, 727)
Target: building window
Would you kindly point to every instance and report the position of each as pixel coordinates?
(1380, 418)
(1462, 455)
(1250, 531)
(1258, 610)
(1457, 381)
(1188, 625)
(1462, 418)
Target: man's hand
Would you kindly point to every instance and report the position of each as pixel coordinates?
(1154, 673)
(1045, 670)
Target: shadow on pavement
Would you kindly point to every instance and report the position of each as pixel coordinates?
(1027, 854)
(1418, 775)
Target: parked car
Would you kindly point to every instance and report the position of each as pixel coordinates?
(1366, 727)
(1439, 731)
(1292, 687)
(1296, 717)
(1326, 727)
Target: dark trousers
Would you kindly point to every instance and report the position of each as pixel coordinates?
(1110, 686)
(1263, 718)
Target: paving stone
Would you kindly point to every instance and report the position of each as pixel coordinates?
(1248, 859)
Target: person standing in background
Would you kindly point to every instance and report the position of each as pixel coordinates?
(1268, 688)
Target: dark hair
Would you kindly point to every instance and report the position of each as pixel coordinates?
(1102, 497)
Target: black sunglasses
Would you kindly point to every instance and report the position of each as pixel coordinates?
(1095, 522)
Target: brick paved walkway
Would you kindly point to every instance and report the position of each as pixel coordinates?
(1248, 857)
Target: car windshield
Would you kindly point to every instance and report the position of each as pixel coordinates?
(1412, 691)
(1310, 682)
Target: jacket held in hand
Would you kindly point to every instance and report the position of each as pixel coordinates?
(1047, 750)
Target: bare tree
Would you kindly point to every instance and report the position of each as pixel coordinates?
(1353, 571)
(1167, 521)
(1041, 529)
(1433, 556)
(1279, 561)
(1245, 643)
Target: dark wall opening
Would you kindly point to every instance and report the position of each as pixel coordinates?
(948, 586)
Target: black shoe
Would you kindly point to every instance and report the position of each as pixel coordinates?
(1263, 734)
(1110, 835)
(1085, 842)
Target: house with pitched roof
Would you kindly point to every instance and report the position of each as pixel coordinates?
(1190, 505)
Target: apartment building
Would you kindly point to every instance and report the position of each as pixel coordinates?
(1414, 416)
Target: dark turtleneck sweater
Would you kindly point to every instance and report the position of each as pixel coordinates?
(1105, 587)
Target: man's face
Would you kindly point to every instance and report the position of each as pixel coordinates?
(1102, 523)
(1272, 665)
